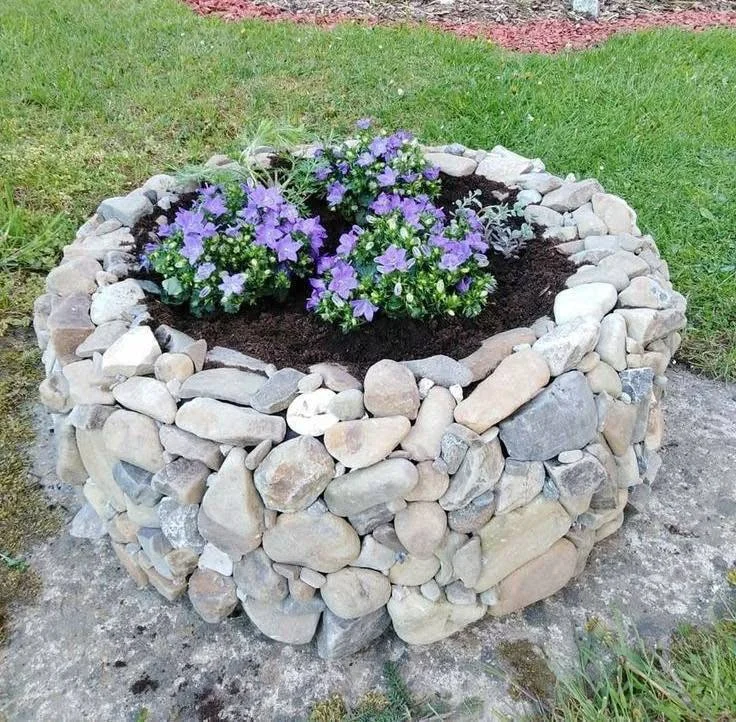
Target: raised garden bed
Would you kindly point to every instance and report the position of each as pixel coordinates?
(414, 474)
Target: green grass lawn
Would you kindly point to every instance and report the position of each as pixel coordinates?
(95, 96)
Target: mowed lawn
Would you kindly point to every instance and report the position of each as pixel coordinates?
(95, 96)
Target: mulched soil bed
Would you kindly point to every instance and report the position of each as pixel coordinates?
(543, 26)
(286, 335)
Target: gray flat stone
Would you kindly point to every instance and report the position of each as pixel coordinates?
(126, 209)
(561, 417)
(339, 637)
(223, 384)
(278, 392)
(443, 370)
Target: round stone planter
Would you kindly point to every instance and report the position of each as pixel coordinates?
(424, 496)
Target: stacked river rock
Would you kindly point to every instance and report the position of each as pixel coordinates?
(427, 495)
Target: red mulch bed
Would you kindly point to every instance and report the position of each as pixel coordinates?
(546, 26)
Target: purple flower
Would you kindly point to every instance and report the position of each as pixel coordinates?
(231, 285)
(321, 172)
(343, 280)
(215, 206)
(325, 263)
(234, 230)
(204, 271)
(363, 124)
(165, 230)
(318, 285)
(393, 259)
(410, 177)
(382, 205)
(286, 249)
(335, 193)
(204, 292)
(347, 243)
(343, 166)
(431, 173)
(313, 230)
(363, 308)
(387, 177)
(364, 159)
(192, 248)
(476, 242)
(464, 284)
(456, 253)
(378, 146)
(268, 236)
(267, 198)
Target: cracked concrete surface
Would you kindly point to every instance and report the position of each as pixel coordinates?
(94, 648)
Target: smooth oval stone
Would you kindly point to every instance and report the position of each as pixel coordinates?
(322, 542)
(294, 474)
(362, 489)
(358, 444)
(352, 592)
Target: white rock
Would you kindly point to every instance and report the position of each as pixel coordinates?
(418, 620)
(588, 223)
(229, 424)
(591, 299)
(111, 302)
(504, 166)
(353, 592)
(224, 384)
(454, 165)
(358, 444)
(615, 213)
(570, 196)
(421, 527)
(516, 380)
(133, 437)
(173, 366)
(101, 338)
(435, 414)
(566, 345)
(216, 560)
(309, 414)
(611, 345)
(133, 354)
(148, 396)
(389, 389)
(231, 514)
(645, 292)
(542, 215)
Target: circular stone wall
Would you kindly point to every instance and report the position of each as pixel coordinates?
(424, 496)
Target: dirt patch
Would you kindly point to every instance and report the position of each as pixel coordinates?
(286, 335)
(530, 674)
(144, 684)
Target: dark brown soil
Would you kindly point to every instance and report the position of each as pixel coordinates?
(286, 335)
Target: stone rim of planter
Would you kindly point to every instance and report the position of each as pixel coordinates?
(424, 496)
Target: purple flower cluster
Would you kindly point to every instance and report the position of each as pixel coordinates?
(238, 243)
(353, 173)
(407, 260)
